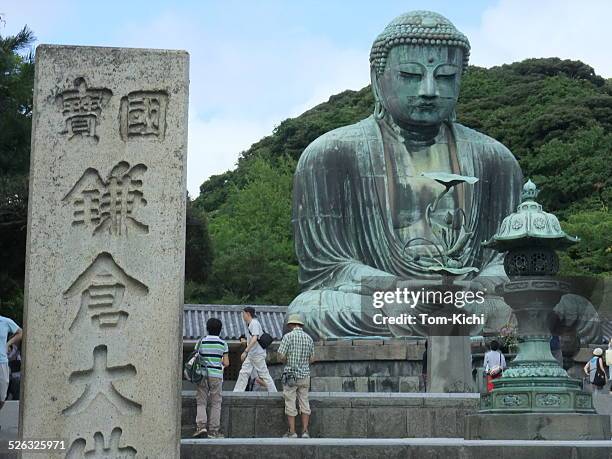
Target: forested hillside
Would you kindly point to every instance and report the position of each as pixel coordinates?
(555, 115)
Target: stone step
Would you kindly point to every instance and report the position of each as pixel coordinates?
(342, 414)
(421, 448)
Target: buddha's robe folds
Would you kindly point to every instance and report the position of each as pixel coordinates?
(345, 240)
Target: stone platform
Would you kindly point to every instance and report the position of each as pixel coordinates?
(414, 448)
(365, 365)
(536, 426)
(342, 415)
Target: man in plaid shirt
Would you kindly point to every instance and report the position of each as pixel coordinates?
(297, 350)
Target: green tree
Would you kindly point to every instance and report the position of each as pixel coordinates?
(16, 83)
(255, 260)
(198, 248)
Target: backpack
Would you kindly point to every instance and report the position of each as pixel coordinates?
(599, 378)
(195, 369)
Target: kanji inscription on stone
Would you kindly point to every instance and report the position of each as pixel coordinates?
(110, 205)
(102, 448)
(143, 114)
(81, 107)
(98, 382)
(102, 288)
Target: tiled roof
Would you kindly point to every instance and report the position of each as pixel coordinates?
(272, 320)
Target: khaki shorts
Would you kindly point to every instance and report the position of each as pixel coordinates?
(299, 391)
(5, 373)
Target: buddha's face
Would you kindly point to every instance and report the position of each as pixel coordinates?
(420, 84)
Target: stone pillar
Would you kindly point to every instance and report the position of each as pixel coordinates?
(105, 256)
(449, 364)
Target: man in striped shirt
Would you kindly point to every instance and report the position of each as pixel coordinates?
(213, 355)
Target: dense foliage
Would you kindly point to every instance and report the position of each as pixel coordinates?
(555, 115)
(16, 81)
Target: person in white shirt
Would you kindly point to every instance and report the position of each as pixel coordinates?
(254, 356)
(494, 364)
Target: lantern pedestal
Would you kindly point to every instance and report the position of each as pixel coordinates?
(534, 380)
(535, 399)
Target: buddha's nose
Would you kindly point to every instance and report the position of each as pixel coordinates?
(428, 87)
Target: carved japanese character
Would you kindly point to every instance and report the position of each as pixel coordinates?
(102, 288)
(99, 383)
(143, 114)
(101, 450)
(81, 108)
(109, 205)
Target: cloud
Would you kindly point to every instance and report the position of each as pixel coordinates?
(41, 17)
(214, 145)
(513, 30)
(241, 86)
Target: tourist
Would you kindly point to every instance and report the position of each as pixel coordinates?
(254, 356)
(608, 361)
(297, 350)
(7, 327)
(213, 353)
(596, 370)
(494, 364)
(255, 384)
(14, 362)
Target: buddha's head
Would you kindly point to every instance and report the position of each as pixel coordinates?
(416, 65)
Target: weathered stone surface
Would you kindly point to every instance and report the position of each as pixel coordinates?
(536, 426)
(105, 258)
(365, 350)
(344, 415)
(387, 422)
(342, 422)
(445, 425)
(421, 423)
(412, 448)
(367, 342)
(450, 364)
(409, 384)
(335, 342)
(339, 384)
(366, 368)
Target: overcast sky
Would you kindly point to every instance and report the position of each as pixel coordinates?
(255, 63)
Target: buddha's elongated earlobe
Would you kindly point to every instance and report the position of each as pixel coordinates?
(379, 108)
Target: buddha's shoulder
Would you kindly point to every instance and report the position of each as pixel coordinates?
(469, 135)
(346, 136)
(339, 143)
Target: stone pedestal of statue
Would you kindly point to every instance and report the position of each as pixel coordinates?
(449, 355)
(449, 364)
